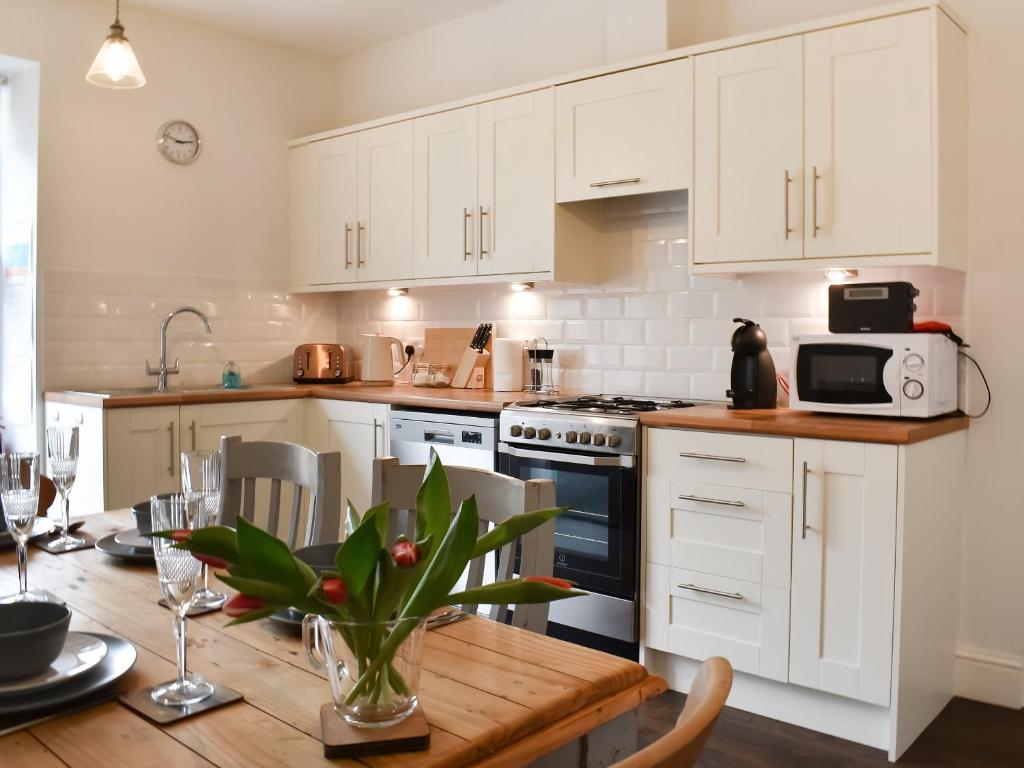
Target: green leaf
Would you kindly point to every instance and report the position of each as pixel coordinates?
(447, 566)
(260, 613)
(275, 594)
(267, 556)
(352, 518)
(512, 529)
(379, 515)
(513, 591)
(433, 501)
(357, 557)
(218, 541)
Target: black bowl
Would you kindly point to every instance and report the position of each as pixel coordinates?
(143, 517)
(31, 637)
(319, 557)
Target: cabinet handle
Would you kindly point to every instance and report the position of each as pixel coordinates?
(785, 205)
(80, 418)
(708, 500)
(483, 251)
(712, 457)
(348, 238)
(616, 182)
(814, 201)
(466, 250)
(803, 519)
(376, 425)
(360, 228)
(193, 430)
(709, 591)
(170, 434)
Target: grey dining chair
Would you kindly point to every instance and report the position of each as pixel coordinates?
(315, 475)
(498, 498)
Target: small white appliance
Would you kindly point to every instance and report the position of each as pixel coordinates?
(875, 374)
(379, 365)
(507, 365)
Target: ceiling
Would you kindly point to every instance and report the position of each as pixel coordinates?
(333, 27)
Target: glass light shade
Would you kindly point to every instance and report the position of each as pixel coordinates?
(115, 65)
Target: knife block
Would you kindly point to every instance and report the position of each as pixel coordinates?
(471, 360)
(447, 346)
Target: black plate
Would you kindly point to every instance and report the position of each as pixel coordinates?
(288, 617)
(108, 546)
(119, 659)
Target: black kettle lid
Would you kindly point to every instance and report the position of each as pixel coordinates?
(749, 338)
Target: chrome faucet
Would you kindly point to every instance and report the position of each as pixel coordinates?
(163, 371)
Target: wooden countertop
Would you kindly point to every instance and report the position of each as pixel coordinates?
(494, 695)
(790, 423)
(479, 400)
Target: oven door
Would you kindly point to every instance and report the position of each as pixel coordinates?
(847, 378)
(596, 537)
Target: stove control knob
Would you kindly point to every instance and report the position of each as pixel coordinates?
(598, 439)
(913, 389)
(543, 433)
(529, 433)
(516, 430)
(614, 441)
(570, 436)
(585, 438)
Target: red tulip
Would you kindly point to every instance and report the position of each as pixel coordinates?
(406, 553)
(334, 591)
(181, 535)
(240, 604)
(560, 583)
(211, 561)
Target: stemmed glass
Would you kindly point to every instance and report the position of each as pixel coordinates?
(200, 478)
(62, 461)
(19, 494)
(179, 579)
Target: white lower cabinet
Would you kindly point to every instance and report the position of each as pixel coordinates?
(87, 493)
(360, 432)
(844, 550)
(142, 453)
(202, 426)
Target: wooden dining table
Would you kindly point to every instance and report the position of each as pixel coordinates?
(494, 695)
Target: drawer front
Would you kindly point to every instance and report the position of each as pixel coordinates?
(718, 458)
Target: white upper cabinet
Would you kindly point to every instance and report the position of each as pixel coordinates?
(445, 192)
(868, 143)
(332, 195)
(624, 134)
(384, 230)
(748, 152)
(515, 177)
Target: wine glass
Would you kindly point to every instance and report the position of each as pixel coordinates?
(179, 579)
(19, 494)
(200, 478)
(62, 460)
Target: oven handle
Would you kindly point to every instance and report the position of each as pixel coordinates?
(569, 458)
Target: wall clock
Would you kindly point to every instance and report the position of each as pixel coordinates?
(179, 142)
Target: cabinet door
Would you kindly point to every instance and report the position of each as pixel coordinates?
(384, 236)
(748, 153)
(516, 213)
(142, 454)
(202, 426)
(445, 194)
(359, 432)
(844, 552)
(88, 494)
(868, 166)
(332, 206)
(626, 133)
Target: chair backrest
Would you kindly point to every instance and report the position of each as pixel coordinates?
(680, 747)
(316, 474)
(47, 494)
(498, 497)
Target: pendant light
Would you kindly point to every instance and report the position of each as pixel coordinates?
(115, 65)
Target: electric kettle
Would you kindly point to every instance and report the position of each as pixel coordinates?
(378, 359)
(753, 371)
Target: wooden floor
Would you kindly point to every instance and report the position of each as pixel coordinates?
(965, 734)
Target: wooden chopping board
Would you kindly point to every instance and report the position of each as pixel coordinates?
(444, 346)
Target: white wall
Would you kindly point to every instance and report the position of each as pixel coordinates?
(525, 40)
(110, 204)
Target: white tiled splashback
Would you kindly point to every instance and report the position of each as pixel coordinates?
(651, 328)
(101, 327)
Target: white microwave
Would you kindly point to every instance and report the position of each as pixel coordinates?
(874, 374)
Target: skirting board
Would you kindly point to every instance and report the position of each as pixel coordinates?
(993, 678)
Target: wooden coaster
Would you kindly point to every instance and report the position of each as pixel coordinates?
(88, 542)
(344, 740)
(140, 702)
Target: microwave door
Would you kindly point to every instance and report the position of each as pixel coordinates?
(848, 377)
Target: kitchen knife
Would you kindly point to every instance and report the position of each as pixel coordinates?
(476, 337)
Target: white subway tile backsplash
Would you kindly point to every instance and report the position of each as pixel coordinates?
(648, 357)
(565, 308)
(604, 307)
(666, 331)
(583, 330)
(673, 278)
(687, 358)
(623, 382)
(666, 384)
(624, 331)
(711, 332)
(602, 355)
(646, 305)
(709, 386)
(744, 303)
(691, 304)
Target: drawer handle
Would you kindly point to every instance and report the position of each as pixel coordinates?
(712, 457)
(803, 496)
(708, 500)
(709, 591)
(616, 182)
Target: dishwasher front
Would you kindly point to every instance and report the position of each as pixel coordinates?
(460, 439)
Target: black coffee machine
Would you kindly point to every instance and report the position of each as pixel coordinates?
(753, 371)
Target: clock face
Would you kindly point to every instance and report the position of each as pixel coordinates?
(179, 142)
